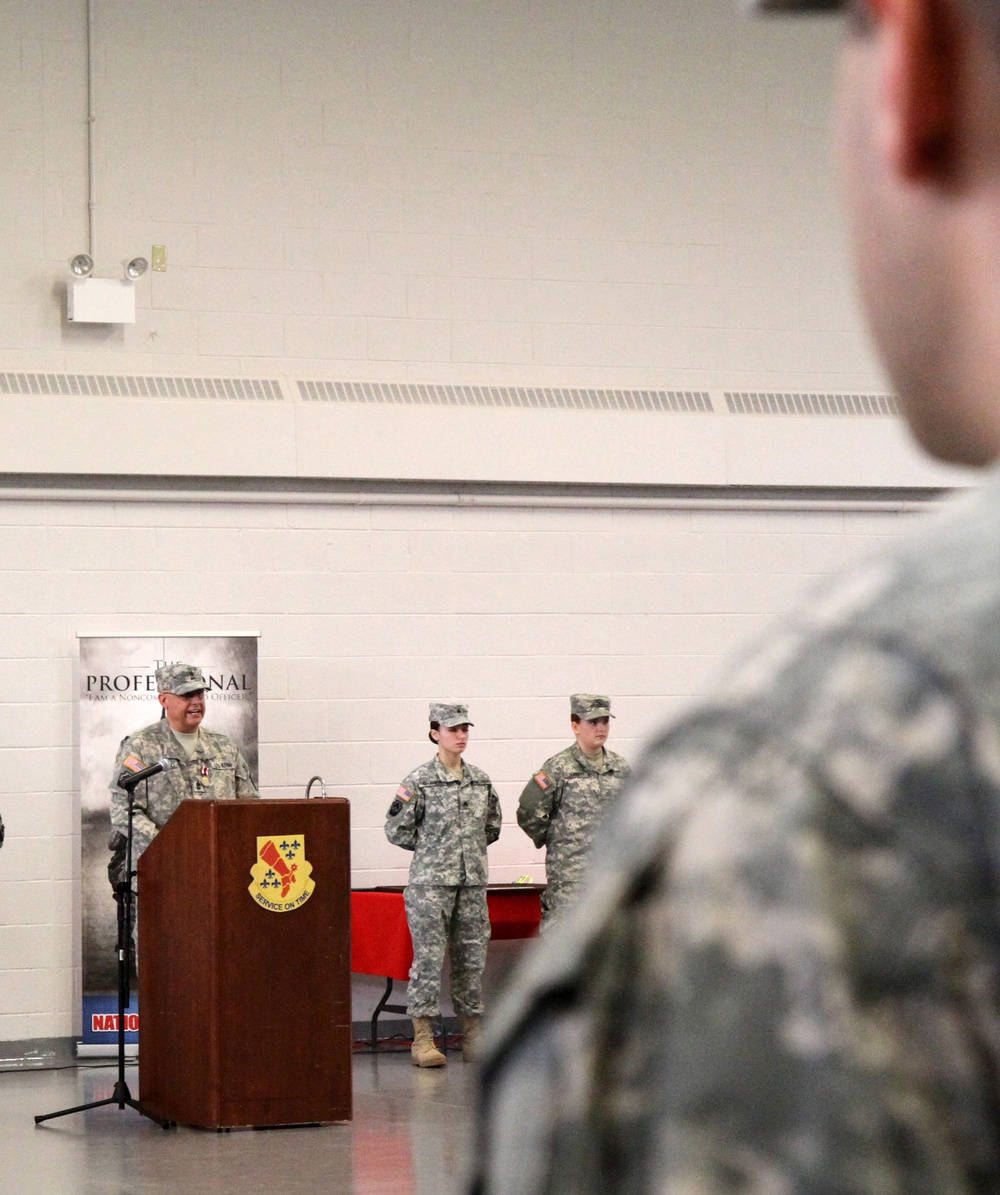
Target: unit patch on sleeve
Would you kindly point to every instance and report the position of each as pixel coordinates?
(395, 807)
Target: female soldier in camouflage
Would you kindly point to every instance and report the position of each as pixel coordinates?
(447, 812)
(568, 796)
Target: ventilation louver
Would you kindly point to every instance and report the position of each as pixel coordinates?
(421, 394)
(140, 386)
(755, 403)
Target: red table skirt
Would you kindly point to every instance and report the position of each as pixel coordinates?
(380, 937)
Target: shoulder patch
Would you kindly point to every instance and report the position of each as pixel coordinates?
(403, 793)
(133, 763)
(395, 807)
(542, 781)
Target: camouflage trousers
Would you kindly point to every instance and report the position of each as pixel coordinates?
(558, 896)
(444, 917)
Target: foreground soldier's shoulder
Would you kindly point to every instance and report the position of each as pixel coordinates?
(478, 774)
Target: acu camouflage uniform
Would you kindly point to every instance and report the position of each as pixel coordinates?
(216, 770)
(783, 972)
(448, 824)
(560, 809)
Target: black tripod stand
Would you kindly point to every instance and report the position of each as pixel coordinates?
(123, 898)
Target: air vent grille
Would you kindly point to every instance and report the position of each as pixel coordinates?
(811, 404)
(119, 386)
(432, 394)
(421, 394)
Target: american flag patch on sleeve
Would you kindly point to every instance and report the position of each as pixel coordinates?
(133, 763)
(541, 780)
(404, 793)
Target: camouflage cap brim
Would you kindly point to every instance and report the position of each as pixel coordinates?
(188, 689)
(457, 720)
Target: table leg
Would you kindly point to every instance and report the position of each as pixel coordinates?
(383, 1006)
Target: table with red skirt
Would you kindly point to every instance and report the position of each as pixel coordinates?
(380, 937)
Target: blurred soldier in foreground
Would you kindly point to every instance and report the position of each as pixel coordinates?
(447, 813)
(568, 796)
(783, 973)
(200, 763)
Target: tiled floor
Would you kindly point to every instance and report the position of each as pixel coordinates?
(409, 1136)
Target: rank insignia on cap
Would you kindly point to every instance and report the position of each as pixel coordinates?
(282, 875)
(404, 793)
(542, 781)
(133, 763)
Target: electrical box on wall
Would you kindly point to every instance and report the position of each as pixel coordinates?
(100, 301)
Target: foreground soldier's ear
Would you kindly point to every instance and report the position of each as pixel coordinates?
(919, 96)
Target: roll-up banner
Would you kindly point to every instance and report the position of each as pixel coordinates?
(117, 697)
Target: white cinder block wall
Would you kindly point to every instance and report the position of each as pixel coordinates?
(532, 192)
(564, 192)
(364, 614)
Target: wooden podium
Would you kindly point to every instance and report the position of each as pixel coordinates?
(245, 1011)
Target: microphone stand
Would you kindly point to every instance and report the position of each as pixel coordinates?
(123, 898)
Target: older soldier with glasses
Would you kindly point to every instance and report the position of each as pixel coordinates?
(783, 972)
(201, 764)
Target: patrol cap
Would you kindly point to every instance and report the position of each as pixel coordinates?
(179, 679)
(450, 715)
(778, 6)
(589, 706)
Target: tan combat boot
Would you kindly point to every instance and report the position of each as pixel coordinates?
(423, 1051)
(471, 1027)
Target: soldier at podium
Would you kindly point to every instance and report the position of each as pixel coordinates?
(197, 762)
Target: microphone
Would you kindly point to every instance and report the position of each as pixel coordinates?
(128, 780)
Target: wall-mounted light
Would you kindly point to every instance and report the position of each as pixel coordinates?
(102, 300)
(81, 266)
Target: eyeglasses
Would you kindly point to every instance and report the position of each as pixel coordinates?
(802, 6)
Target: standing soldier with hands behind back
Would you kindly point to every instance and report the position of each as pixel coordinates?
(565, 800)
(447, 812)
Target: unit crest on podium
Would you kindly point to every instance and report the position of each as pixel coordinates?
(282, 875)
